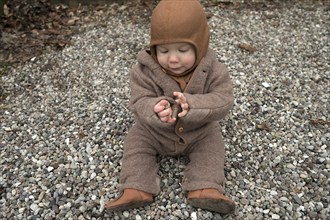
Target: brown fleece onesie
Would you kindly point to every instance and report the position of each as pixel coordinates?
(209, 93)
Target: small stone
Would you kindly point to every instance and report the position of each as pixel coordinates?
(266, 85)
(312, 215)
(7, 129)
(82, 209)
(34, 207)
(13, 192)
(289, 208)
(93, 175)
(319, 206)
(284, 199)
(126, 214)
(171, 195)
(290, 166)
(277, 160)
(297, 199)
(122, 8)
(295, 103)
(193, 216)
(162, 208)
(303, 175)
(84, 174)
(275, 216)
(310, 147)
(55, 208)
(178, 213)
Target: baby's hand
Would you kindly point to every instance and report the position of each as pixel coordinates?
(182, 101)
(164, 111)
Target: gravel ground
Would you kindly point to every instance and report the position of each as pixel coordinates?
(66, 115)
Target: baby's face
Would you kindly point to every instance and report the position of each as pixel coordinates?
(176, 57)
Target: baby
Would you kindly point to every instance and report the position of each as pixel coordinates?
(179, 92)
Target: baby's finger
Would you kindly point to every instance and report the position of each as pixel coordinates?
(171, 120)
(183, 113)
(185, 106)
(180, 96)
(160, 106)
(164, 119)
(165, 113)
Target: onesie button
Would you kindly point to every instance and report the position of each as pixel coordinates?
(180, 129)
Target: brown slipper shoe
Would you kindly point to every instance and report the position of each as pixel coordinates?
(212, 200)
(131, 198)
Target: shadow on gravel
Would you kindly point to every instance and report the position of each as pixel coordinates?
(29, 27)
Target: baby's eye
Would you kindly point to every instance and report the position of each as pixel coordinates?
(183, 50)
(163, 51)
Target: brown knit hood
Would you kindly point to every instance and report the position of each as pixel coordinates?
(176, 21)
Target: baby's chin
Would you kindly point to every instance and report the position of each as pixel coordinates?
(177, 71)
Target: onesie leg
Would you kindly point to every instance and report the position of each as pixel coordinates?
(205, 175)
(206, 167)
(139, 163)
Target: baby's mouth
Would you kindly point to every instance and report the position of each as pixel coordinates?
(175, 69)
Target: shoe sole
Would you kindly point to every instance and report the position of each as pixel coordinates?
(128, 206)
(215, 205)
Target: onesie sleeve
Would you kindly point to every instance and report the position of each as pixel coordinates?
(216, 101)
(144, 96)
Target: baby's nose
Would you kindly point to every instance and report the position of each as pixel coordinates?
(173, 57)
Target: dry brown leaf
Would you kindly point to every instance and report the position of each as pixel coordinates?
(35, 32)
(319, 122)
(249, 98)
(248, 47)
(73, 20)
(6, 10)
(264, 126)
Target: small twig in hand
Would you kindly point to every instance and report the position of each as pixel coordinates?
(175, 110)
